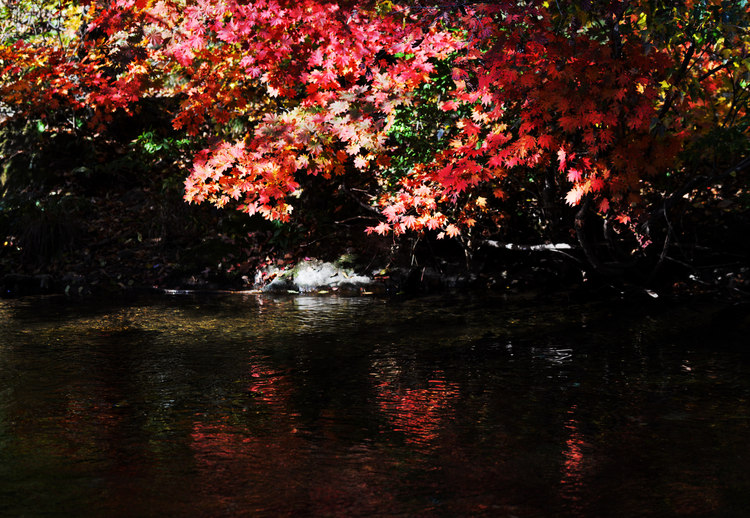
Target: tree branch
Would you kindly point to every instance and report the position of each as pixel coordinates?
(679, 76)
(696, 182)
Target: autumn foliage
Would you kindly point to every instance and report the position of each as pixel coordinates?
(453, 115)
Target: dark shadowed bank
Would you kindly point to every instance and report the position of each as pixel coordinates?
(147, 239)
(96, 236)
(79, 217)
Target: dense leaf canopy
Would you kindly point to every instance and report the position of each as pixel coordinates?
(454, 115)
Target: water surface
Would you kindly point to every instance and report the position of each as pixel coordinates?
(244, 405)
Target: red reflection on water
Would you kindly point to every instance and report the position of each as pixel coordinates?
(246, 458)
(225, 437)
(268, 386)
(241, 474)
(255, 462)
(219, 441)
(573, 469)
(90, 425)
(281, 473)
(417, 412)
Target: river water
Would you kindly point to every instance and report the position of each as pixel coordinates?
(248, 405)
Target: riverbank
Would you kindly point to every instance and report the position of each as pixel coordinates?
(92, 240)
(531, 273)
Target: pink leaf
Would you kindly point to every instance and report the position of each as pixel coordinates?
(561, 157)
(452, 230)
(449, 106)
(574, 175)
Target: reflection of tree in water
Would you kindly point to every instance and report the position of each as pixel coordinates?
(417, 412)
(246, 456)
(269, 386)
(574, 462)
(257, 460)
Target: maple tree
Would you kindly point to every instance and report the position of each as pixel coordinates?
(455, 114)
